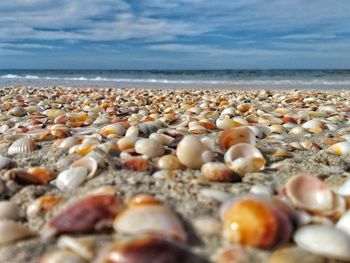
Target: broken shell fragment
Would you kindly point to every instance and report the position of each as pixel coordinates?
(244, 158)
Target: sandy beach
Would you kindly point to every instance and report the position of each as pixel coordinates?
(158, 142)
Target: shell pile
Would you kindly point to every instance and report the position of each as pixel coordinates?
(143, 175)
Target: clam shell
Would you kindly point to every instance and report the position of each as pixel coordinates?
(155, 219)
(232, 136)
(340, 148)
(324, 240)
(11, 231)
(71, 178)
(218, 172)
(22, 145)
(244, 158)
(308, 192)
(255, 220)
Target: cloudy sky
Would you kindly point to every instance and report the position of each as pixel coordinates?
(174, 34)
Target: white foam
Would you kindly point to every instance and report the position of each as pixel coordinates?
(11, 76)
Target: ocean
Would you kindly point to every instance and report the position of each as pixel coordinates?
(274, 79)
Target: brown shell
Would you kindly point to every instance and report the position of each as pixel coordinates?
(84, 215)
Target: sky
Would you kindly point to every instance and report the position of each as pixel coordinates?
(174, 34)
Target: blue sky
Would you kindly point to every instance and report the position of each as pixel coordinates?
(174, 34)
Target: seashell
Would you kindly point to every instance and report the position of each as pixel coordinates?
(294, 254)
(308, 192)
(84, 215)
(297, 131)
(12, 231)
(18, 111)
(156, 219)
(259, 189)
(146, 128)
(77, 116)
(189, 151)
(226, 123)
(112, 129)
(149, 147)
(69, 142)
(132, 131)
(9, 211)
(42, 175)
(182, 121)
(324, 240)
(106, 147)
(22, 145)
(232, 136)
(164, 174)
(42, 204)
(256, 221)
(35, 175)
(228, 111)
(84, 130)
(82, 246)
(146, 249)
(314, 126)
(4, 128)
(162, 138)
(170, 162)
(340, 148)
(89, 163)
(53, 113)
(218, 172)
(136, 164)
(343, 222)
(277, 128)
(5, 162)
(244, 158)
(231, 254)
(61, 256)
(143, 199)
(70, 179)
(126, 143)
(209, 143)
(101, 120)
(344, 189)
(310, 145)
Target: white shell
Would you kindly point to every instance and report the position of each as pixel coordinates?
(9, 210)
(61, 256)
(244, 158)
(4, 162)
(132, 132)
(149, 147)
(69, 142)
(87, 162)
(340, 148)
(11, 231)
(344, 222)
(71, 178)
(22, 145)
(155, 219)
(82, 246)
(344, 189)
(189, 151)
(324, 240)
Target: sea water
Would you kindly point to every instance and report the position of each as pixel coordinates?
(274, 79)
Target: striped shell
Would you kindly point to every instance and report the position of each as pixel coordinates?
(22, 145)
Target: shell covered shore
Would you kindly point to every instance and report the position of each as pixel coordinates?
(165, 176)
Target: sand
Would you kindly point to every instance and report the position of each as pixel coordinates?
(185, 193)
